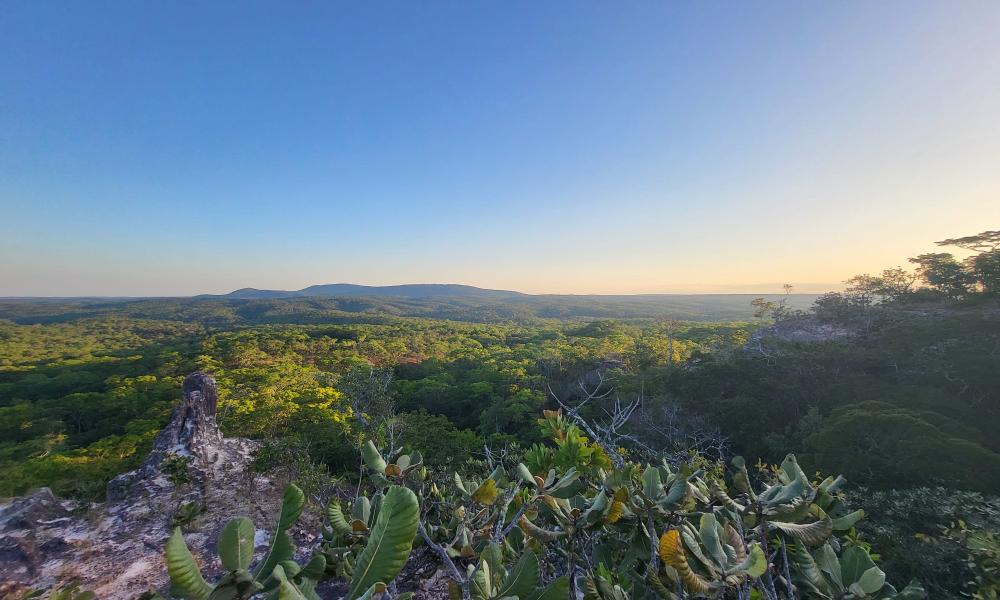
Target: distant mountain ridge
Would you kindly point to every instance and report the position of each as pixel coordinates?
(346, 290)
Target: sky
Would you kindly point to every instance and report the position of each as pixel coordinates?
(177, 148)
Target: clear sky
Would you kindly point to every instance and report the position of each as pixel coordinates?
(173, 148)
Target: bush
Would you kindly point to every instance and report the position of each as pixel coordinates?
(906, 527)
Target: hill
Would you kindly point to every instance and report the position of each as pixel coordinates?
(350, 290)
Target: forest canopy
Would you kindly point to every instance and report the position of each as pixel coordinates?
(893, 382)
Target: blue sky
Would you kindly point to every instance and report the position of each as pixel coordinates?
(185, 147)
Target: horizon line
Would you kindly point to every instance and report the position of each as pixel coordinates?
(721, 290)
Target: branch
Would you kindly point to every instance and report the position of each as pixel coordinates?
(450, 564)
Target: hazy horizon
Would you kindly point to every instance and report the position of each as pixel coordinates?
(766, 289)
(163, 149)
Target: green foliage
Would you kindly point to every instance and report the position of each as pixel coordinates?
(177, 468)
(906, 526)
(650, 528)
(983, 548)
(943, 274)
(572, 449)
(235, 549)
(385, 552)
(186, 514)
(185, 576)
(70, 591)
(291, 458)
(910, 398)
(236, 544)
(389, 543)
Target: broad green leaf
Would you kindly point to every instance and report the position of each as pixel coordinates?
(709, 533)
(871, 580)
(567, 490)
(292, 503)
(558, 589)
(183, 569)
(847, 521)
(566, 487)
(389, 543)
(315, 569)
(525, 475)
(290, 567)
(361, 510)
(854, 561)
(689, 537)
(596, 509)
(755, 563)
(499, 474)
(236, 544)
(651, 486)
(522, 579)
(676, 494)
(308, 589)
(335, 512)
(809, 571)
(493, 556)
(281, 549)
(461, 486)
(827, 561)
(286, 589)
(373, 459)
(792, 470)
(479, 585)
(813, 534)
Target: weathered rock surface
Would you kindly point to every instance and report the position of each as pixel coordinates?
(803, 329)
(115, 548)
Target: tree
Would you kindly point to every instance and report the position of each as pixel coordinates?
(861, 291)
(833, 306)
(942, 273)
(984, 266)
(986, 241)
(777, 310)
(986, 269)
(762, 307)
(896, 284)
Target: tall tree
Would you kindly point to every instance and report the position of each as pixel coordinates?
(941, 272)
(984, 266)
(986, 241)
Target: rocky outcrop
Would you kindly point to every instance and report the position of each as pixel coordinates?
(115, 548)
(192, 434)
(805, 329)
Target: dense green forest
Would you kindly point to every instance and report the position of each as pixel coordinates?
(894, 383)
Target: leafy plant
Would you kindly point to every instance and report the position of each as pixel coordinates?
(641, 531)
(70, 591)
(984, 559)
(186, 514)
(379, 561)
(236, 544)
(177, 468)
